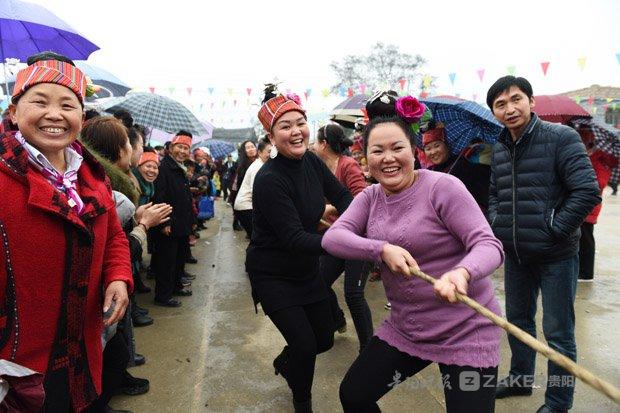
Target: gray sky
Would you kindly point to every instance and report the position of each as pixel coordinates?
(241, 44)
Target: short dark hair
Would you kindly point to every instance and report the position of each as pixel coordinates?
(133, 133)
(184, 133)
(48, 55)
(125, 117)
(502, 84)
(105, 135)
(91, 113)
(404, 126)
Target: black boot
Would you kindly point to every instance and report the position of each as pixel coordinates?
(280, 363)
(303, 407)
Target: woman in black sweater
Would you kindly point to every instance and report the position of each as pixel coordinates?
(283, 256)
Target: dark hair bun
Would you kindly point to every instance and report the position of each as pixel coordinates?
(382, 103)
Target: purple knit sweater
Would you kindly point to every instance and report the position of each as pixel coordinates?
(440, 224)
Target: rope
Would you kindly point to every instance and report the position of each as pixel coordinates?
(595, 382)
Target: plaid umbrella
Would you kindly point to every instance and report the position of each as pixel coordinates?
(558, 108)
(464, 122)
(157, 112)
(219, 149)
(606, 137)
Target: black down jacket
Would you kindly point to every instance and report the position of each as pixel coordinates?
(172, 187)
(541, 190)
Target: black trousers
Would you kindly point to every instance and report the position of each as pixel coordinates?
(245, 218)
(354, 283)
(381, 367)
(586, 252)
(115, 361)
(308, 331)
(169, 264)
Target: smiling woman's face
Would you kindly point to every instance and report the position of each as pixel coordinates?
(49, 117)
(290, 135)
(390, 157)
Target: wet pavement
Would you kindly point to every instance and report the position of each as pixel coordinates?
(214, 354)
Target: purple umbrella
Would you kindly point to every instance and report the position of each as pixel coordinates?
(27, 29)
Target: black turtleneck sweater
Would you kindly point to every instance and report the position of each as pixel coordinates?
(288, 201)
(476, 177)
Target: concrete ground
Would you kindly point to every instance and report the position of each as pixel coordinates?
(214, 353)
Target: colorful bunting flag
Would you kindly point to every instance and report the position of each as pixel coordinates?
(171, 89)
(581, 62)
(235, 102)
(152, 89)
(480, 75)
(591, 100)
(578, 99)
(307, 93)
(475, 97)
(342, 90)
(402, 82)
(609, 100)
(249, 91)
(544, 66)
(230, 91)
(426, 81)
(423, 94)
(189, 91)
(211, 89)
(452, 77)
(363, 88)
(512, 69)
(325, 92)
(618, 57)
(350, 92)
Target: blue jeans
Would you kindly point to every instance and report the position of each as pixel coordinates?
(558, 282)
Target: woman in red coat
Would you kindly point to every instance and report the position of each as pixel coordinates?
(65, 258)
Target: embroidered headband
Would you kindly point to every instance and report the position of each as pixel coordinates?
(50, 71)
(277, 106)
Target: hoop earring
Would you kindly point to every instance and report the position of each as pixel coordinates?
(273, 152)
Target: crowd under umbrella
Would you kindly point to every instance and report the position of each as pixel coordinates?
(218, 149)
(28, 29)
(558, 109)
(159, 137)
(156, 111)
(464, 121)
(606, 137)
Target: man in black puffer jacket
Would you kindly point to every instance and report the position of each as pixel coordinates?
(172, 237)
(542, 188)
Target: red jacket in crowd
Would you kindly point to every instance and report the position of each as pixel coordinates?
(54, 268)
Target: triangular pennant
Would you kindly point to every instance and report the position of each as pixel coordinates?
(609, 100)
(201, 106)
(152, 89)
(342, 90)
(581, 62)
(212, 103)
(594, 109)
(614, 106)
(325, 92)
(481, 74)
(424, 94)
(248, 91)
(452, 77)
(230, 91)
(545, 67)
(223, 103)
(211, 89)
(618, 57)
(308, 92)
(189, 91)
(426, 81)
(402, 82)
(350, 92)
(235, 102)
(171, 89)
(578, 99)
(512, 69)
(475, 96)
(591, 100)
(363, 88)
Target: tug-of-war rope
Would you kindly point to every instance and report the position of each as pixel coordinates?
(561, 360)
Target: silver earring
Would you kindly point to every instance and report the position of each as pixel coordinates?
(273, 152)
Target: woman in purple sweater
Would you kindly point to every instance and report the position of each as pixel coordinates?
(429, 220)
